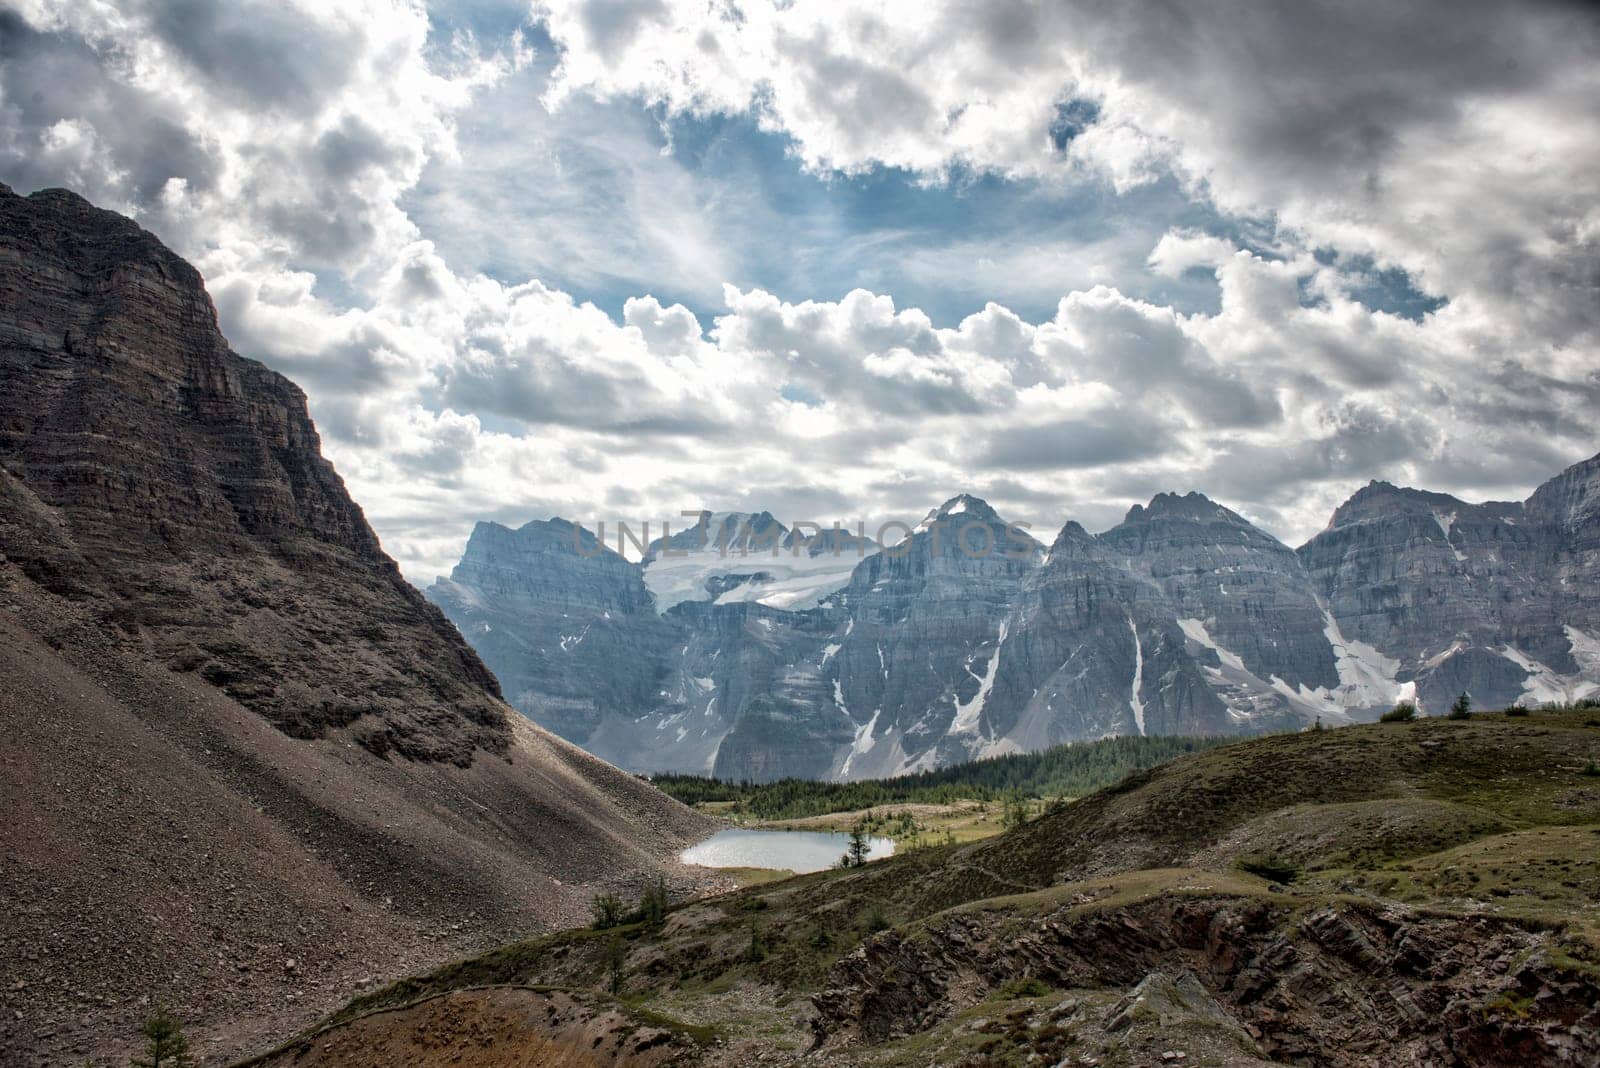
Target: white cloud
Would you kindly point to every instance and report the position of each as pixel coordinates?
(1457, 144)
(446, 396)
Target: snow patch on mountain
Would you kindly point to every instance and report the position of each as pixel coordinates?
(1545, 685)
(1138, 677)
(864, 741)
(969, 712)
(787, 578)
(1447, 522)
(1585, 650)
(1195, 631)
(1367, 678)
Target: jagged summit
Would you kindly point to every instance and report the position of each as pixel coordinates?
(964, 507)
(722, 532)
(1378, 499)
(1571, 500)
(966, 504)
(1191, 520)
(1072, 533)
(1192, 505)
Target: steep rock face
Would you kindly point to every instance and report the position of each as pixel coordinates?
(1496, 600)
(566, 623)
(1411, 572)
(1183, 619)
(245, 761)
(1088, 658)
(921, 622)
(1244, 587)
(1570, 505)
(190, 484)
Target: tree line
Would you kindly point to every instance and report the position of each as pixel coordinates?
(1070, 770)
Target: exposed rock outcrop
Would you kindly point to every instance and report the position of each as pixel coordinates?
(567, 621)
(1497, 600)
(1348, 984)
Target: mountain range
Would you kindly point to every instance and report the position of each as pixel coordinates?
(744, 649)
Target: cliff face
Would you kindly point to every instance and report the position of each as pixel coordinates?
(180, 489)
(1210, 564)
(568, 622)
(923, 621)
(1497, 600)
(246, 764)
(1092, 653)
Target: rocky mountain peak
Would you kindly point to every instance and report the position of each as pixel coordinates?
(1072, 542)
(1380, 499)
(724, 532)
(490, 540)
(1383, 500)
(1571, 500)
(552, 561)
(62, 229)
(1174, 521)
(966, 507)
(1073, 533)
(561, 534)
(1192, 505)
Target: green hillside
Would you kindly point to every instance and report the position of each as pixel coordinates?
(1370, 895)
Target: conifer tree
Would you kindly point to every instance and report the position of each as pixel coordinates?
(165, 1046)
(616, 964)
(859, 847)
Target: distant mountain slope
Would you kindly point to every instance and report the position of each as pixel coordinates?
(1500, 600)
(244, 759)
(1183, 619)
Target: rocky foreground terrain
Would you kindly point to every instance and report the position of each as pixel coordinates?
(245, 764)
(1421, 893)
(752, 657)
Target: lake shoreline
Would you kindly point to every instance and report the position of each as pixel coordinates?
(792, 850)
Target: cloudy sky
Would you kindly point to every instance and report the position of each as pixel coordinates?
(619, 258)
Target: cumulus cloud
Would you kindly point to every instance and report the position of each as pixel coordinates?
(1456, 145)
(249, 134)
(276, 145)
